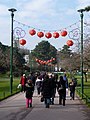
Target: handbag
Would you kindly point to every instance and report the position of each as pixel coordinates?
(60, 88)
(19, 86)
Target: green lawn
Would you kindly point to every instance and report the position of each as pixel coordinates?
(86, 88)
(5, 86)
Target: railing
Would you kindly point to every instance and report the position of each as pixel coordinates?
(86, 97)
(6, 94)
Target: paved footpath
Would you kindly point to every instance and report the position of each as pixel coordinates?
(14, 108)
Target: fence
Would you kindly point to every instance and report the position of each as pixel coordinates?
(85, 97)
(6, 94)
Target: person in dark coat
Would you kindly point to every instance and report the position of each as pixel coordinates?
(29, 93)
(72, 89)
(53, 87)
(46, 90)
(66, 81)
(61, 88)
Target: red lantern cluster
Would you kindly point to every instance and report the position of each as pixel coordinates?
(22, 41)
(69, 43)
(43, 62)
(48, 34)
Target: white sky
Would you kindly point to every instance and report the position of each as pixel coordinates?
(41, 14)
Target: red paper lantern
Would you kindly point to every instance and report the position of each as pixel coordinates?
(32, 32)
(40, 34)
(63, 33)
(47, 61)
(53, 59)
(37, 60)
(41, 62)
(22, 42)
(55, 34)
(48, 35)
(44, 62)
(50, 60)
(69, 42)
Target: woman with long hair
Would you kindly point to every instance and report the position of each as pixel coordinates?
(61, 88)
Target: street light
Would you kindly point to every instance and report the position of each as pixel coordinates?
(12, 10)
(81, 15)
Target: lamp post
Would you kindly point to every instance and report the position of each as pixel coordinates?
(81, 15)
(12, 10)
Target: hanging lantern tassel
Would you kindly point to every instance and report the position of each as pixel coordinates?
(22, 41)
(70, 43)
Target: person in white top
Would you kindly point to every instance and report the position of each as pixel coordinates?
(38, 85)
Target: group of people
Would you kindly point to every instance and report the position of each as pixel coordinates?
(47, 84)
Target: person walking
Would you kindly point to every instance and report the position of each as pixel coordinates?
(29, 93)
(66, 82)
(72, 89)
(23, 80)
(53, 87)
(46, 90)
(38, 85)
(61, 88)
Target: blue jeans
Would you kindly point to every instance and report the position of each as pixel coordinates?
(47, 102)
(72, 94)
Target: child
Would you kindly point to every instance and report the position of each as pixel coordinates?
(29, 93)
(72, 89)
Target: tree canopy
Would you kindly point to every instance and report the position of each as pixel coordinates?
(18, 60)
(44, 51)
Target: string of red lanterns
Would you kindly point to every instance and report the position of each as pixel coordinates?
(43, 62)
(48, 34)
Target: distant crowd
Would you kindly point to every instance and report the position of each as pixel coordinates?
(47, 84)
